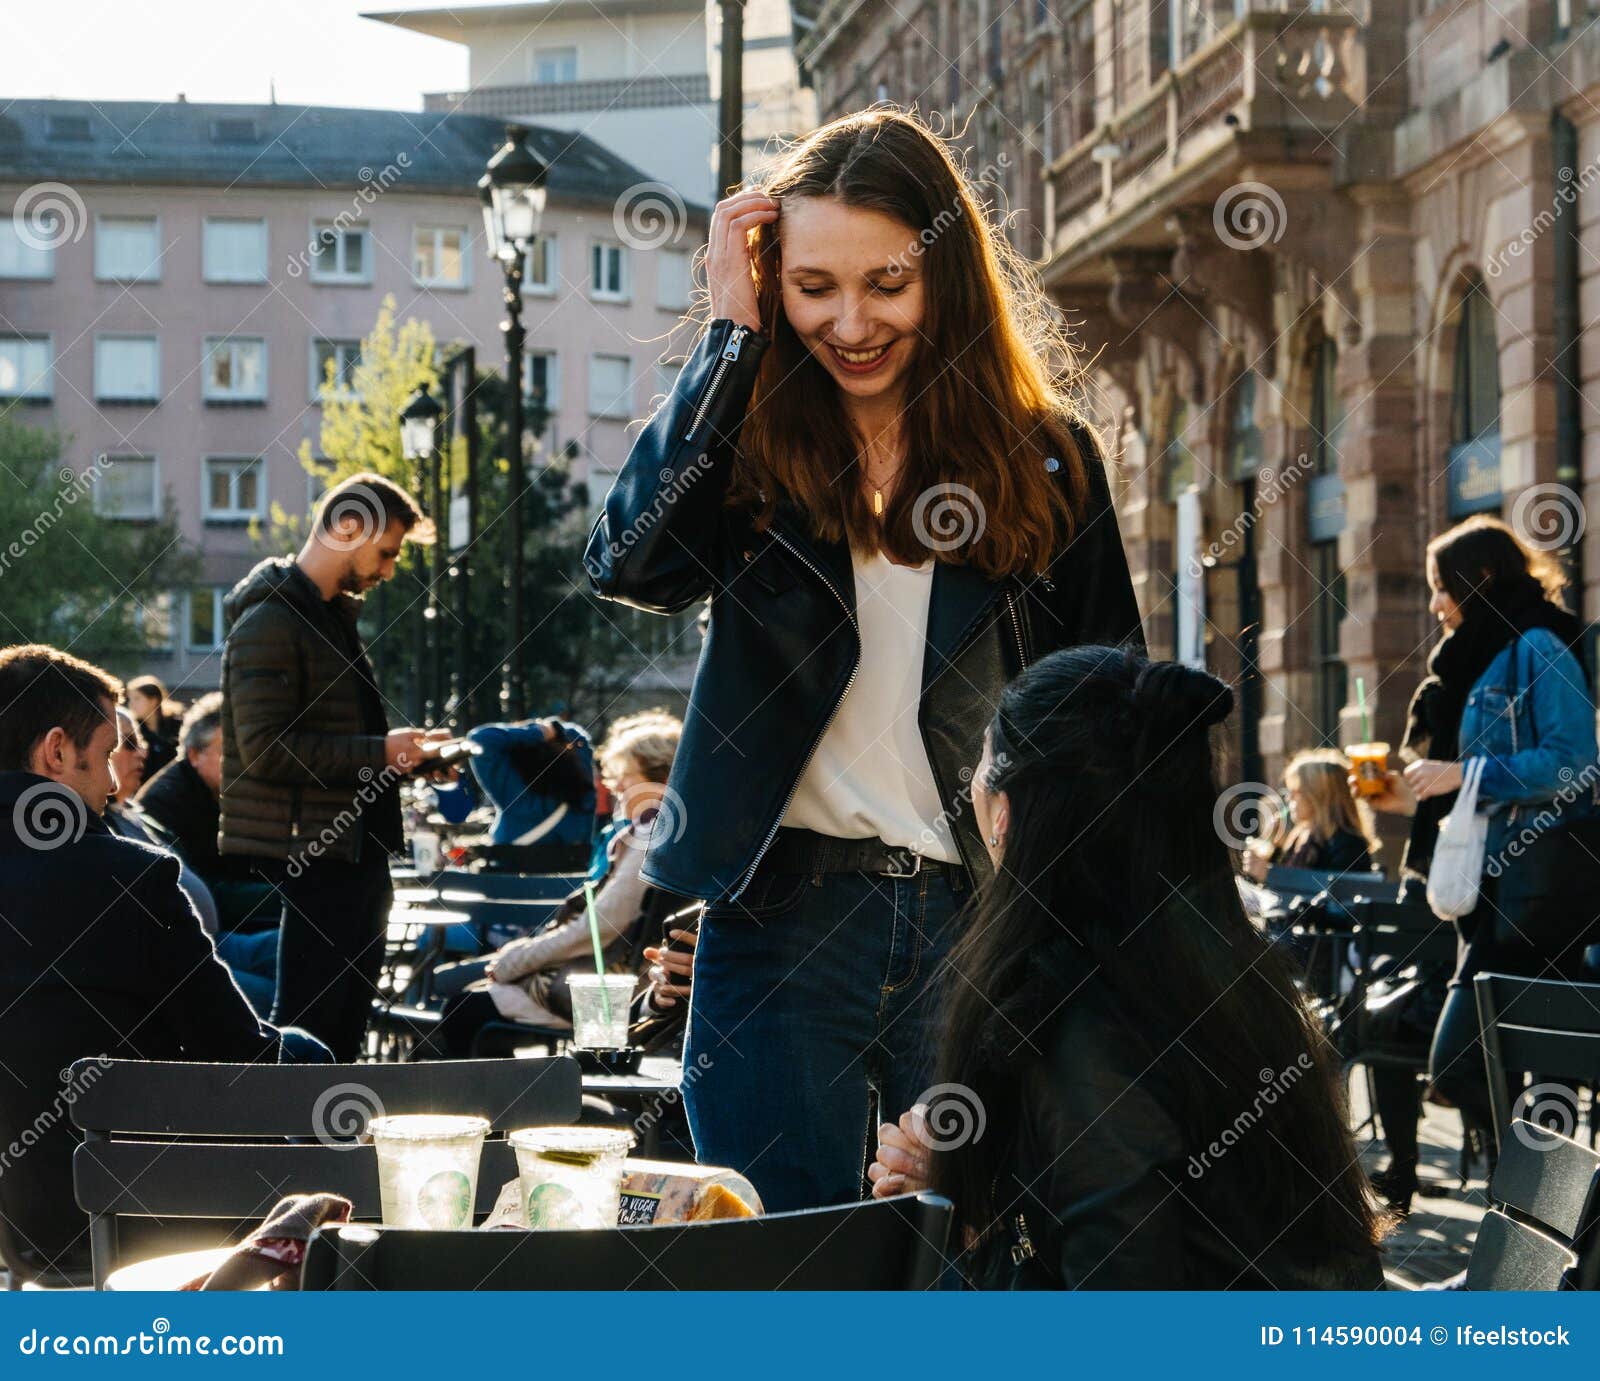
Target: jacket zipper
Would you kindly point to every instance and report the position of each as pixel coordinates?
(730, 353)
(795, 786)
(1022, 1250)
(1016, 627)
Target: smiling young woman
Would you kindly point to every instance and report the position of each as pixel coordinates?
(870, 467)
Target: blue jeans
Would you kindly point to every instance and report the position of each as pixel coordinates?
(814, 1015)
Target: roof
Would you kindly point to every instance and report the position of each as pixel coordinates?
(456, 24)
(179, 143)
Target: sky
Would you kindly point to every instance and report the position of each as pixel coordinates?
(316, 52)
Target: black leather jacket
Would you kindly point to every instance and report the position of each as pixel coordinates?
(783, 642)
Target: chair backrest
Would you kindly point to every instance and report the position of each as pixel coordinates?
(1307, 882)
(1543, 1232)
(882, 1244)
(140, 1158)
(1407, 931)
(1547, 1026)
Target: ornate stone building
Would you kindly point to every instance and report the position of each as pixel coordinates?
(1334, 264)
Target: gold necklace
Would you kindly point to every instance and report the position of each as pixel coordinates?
(877, 493)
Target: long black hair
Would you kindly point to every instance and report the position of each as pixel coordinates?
(1115, 874)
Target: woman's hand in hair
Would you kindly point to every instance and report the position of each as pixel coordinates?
(903, 1163)
(1430, 777)
(1396, 798)
(730, 275)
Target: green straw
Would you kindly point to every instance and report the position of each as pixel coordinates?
(1366, 719)
(599, 958)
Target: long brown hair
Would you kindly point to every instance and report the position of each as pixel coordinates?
(985, 404)
(1322, 775)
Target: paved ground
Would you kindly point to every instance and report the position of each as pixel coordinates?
(1434, 1243)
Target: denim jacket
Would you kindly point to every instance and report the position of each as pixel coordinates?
(1538, 748)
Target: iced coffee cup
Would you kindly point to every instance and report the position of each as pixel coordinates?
(1370, 763)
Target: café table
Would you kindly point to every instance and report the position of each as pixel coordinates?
(169, 1272)
(652, 1089)
(436, 921)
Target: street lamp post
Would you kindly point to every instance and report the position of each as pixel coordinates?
(512, 191)
(419, 428)
(730, 109)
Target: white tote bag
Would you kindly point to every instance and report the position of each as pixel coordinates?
(1457, 868)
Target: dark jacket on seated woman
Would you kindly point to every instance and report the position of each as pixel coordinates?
(1344, 851)
(1112, 1193)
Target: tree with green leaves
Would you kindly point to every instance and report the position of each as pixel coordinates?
(97, 586)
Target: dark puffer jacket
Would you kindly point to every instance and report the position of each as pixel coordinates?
(302, 724)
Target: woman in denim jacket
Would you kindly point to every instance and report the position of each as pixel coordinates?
(1505, 685)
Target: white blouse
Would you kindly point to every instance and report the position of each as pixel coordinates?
(870, 773)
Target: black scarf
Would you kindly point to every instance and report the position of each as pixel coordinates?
(1433, 719)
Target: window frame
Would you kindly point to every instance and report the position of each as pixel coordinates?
(48, 254)
(234, 514)
(102, 337)
(626, 398)
(110, 458)
(342, 276)
(447, 284)
(153, 274)
(547, 287)
(342, 392)
(221, 633)
(208, 350)
(206, 273)
(47, 339)
(624, 272)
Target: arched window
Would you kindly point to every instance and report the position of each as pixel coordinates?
(1244, 437)
(1474, 459)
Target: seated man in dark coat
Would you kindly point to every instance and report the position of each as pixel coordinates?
(101, 953)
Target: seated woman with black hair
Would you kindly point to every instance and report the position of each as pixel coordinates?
(1160, 1111)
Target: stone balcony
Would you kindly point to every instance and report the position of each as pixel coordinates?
(1261, 99)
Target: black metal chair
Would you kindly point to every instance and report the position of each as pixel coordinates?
(1550, 1027)
(21, 1271)
(142, 1157)
(1543, 1231)
(883, 1244)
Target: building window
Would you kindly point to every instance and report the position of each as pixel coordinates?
(540, 272)
(127, 249)
(234, 251)
(152, 621)
(541, 372)
(1177, 460)
(25, 367)
(1473, 463)
(204, 622)
(667, 372)
(26, 251)
(127, 487)
(340, 254)
(342, 357)
(1327, 413)
(127, 369)
(555, 65)
(610, 386)
(608, 272)
(439, 256)
(674, 268)
(234, 370)
(233, 489)
(1327, 670)
(1244, 437)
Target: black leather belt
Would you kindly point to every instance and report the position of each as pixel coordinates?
(806, 851)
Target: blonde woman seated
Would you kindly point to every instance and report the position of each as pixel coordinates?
(1327, 828)
(525, 980)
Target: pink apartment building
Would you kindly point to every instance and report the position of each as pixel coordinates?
(209, 259)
